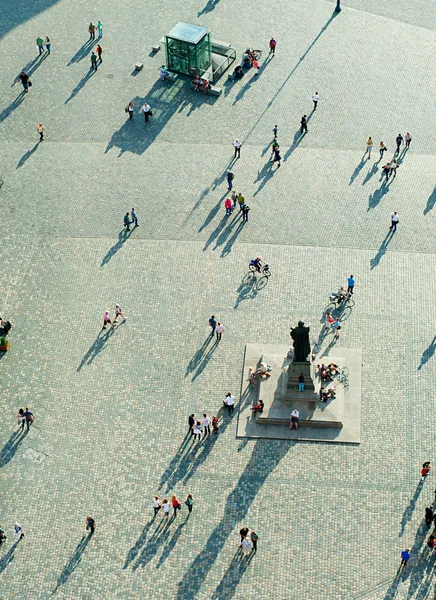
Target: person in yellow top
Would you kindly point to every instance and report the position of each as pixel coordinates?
(41, 130)
(369, 146)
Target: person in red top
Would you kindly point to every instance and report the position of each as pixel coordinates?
(425, 470)
(176, 504)
(228, 204)
(272, 46)
(99, 51)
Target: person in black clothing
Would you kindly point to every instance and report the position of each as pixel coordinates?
(212, 323)
(243, 533)
(29, 416)
(90, 524)
(191, 423)
(303, 124)
(245, 210)
(428, 515)
(24, 78)
(399, 141)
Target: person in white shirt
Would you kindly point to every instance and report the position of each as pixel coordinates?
(156, 505)
(197, 429)
(219, 331)
(395, 219)
(408, 139)
(166, 508)
(246, 545)
(295, 417)
(206, 424)
(237, 146)
(315, 98)
(146, 109)
(229, 402)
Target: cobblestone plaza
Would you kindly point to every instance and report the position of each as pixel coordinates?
(112, 406)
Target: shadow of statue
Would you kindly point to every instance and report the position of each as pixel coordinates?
(15, 13)
(26, 156)
(8, 451)
(73, 563)
(12, 106)
(133, 552)
(82, 52)
(7, 558)
(266, 455)
(229, 583)
(428, 353)
(357, 170)
(375, 198)
(408, 511)
(430, 202)
(170, 544)
(86, 77)
(123, 236)
(382, 250)
(99, 344)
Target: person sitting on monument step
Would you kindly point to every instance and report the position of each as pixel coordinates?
(258, 408)
(324, 394)
(263, 371)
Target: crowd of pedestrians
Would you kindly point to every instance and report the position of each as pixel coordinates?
(175, 504)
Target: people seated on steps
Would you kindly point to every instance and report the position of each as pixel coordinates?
(258, 408)
(325, 395)
(264, 371)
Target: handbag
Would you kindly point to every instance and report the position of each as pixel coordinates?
(150, 113)
(30, 83)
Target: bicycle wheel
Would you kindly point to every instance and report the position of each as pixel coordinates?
(330, 308)
(261, 283)
(252, 268)
(249, 278)
(350, 302)
(345, 371)
(257, 53)
(266, 272)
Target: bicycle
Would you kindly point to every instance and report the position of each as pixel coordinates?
(264, 269)
(343, 377)
(256, 53)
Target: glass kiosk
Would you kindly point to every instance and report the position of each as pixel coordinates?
(188, 49)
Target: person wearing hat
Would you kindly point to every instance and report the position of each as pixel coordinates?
(118, 313)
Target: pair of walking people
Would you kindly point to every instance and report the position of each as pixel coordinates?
(176, 505)
(216, 328)
(106, 318)
(25, 417)
(248, 540)
(127, 222)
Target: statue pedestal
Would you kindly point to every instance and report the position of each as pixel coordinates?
(294, 371)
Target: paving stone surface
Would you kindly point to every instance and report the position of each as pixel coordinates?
(111, 405)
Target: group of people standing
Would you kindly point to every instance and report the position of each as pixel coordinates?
(175, 504)
(199, 427)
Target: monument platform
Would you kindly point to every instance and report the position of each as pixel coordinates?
(336, 420)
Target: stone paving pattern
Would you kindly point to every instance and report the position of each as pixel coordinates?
(111, 409)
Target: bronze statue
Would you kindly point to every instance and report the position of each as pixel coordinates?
(300, 335)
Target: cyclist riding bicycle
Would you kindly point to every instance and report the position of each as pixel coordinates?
(257, 262)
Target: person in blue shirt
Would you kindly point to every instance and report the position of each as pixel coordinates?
(350, 284)
(405, 555)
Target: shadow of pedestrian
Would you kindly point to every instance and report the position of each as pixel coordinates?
(244, 89)
(358, 169)
(100, 344)
(86, 77)
(265, 457)
(213, 211)
(382, 250)
(231, 221)
(123, 236)
(228, 584)
(26, 156)
(205, 360)
(371, 172)
(247, 290)
(7, 558)
(25, 68)
(408, 512)
(198, 356)
(229, 244)
(8, 451)
(133, 552)
(209, 7)
(375, 198)
(13, 106)
(430, 202)
(264, 176)
(158, 537)
(298, 138)
(82, 52)
(216, 232)
(73, 563)
(169, 546)
(36, 65)
(428, 353)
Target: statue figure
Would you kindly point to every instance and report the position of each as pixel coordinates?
(300, 335)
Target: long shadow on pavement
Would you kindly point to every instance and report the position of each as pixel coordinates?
(15, 13)
(73, 563)
(86, 77)
(170, 545)
(99, 344)
(123, 236)
(7, 558)
(428, 353)
(229, 244)
(229, 583)
(26, 156)
(209, 7)
(376, 197)
(358, 169)
(82, 52)
(382, 250)
(12, 106)
(265, 457)
(229, 223)
(133, 552)
(8, 451)
(408, 512)
(371, 172)
(25, 69)
(298, 138)
(430, 202)
(158, 537)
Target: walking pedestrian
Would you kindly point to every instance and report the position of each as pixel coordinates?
(303, 123)
(94, 65)
(129, 109)
(369, 145)
(189, 503)
(329, 320)
(237, 146)
(40, 129)
(255, 65)
(118, 313)
(90, 524)
(245, 210)
(219, 331)
(191, 423)
(274, 146)
(386, 171)
(47, 44)
(301, 382)
(212, 324)
(166, 506)
(146, 109)
(243, 533)
(234, 198)
(99, 51)
(395, 219)
(215, 425)
(228, 206)
(336, 326)
(156, 505)
(350, 284)
(295, 417)
(277, 158)
(91, 30)
(315, 98)
(229, 402)
(127, 221)
(206, 424)
(21, 418)
(29, 416)
(176, 505)
(393, 166)
(408, 139)
(429, 516)
(241, 201)
(431, 542)
(25, 81)
(106, 319)
(272, 46)
(246, 545)
(424, 471)
(230, 177)
(19, 532)
(275, 131)
(134, 217)
(382, 149)
(398, 141)
(197, 431)
(405, 555)
(254, 537)
(100, 29)
(40, 44)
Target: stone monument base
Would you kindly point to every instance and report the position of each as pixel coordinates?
(337, 420)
